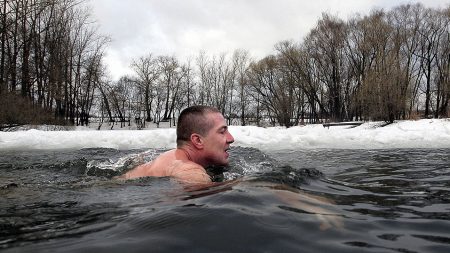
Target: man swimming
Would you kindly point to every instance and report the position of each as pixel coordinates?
(202, 140)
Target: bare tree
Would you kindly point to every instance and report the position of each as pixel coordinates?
(241, 62)
(170, 79)
(205, 85)
(431, 31)
(147, 71)
(325, 44)
(442, 72)
(217, 77)
(406, 20)
(276, 87)
(308, 90)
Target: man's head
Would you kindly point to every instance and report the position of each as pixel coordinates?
(194, 120)
(205, 128)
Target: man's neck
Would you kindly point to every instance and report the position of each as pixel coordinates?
(192, 155)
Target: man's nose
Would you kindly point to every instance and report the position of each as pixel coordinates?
(230, 138)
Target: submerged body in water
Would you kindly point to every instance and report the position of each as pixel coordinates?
(284, 201)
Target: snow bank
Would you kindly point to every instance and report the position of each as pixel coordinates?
(404, 134)
(432, 133)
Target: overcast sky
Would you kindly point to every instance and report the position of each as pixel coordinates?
(185, 27)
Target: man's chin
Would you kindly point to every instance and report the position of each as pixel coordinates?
(224, 163)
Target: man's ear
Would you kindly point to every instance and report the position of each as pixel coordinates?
(197, 141)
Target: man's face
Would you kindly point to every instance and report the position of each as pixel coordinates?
(217, 141)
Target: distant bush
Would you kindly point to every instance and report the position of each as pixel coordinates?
(16, 110)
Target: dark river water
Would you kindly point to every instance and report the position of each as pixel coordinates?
(394, 200)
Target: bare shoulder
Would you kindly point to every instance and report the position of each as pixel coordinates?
(171, 164)
(139, 171)
(157, 167)
(190, 172)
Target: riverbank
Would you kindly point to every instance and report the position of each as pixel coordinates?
(426, 133)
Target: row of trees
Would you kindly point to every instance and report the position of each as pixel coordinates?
(383, 66)
(50, 61)
(162, 86)
(387, 65)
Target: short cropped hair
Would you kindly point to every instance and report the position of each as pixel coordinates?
(193, 120)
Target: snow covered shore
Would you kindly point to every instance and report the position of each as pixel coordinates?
(426, 133)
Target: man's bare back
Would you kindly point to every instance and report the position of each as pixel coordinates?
(174, 163)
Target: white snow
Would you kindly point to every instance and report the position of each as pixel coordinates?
(427, 133)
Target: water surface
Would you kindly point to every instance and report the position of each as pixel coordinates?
(277, 201)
